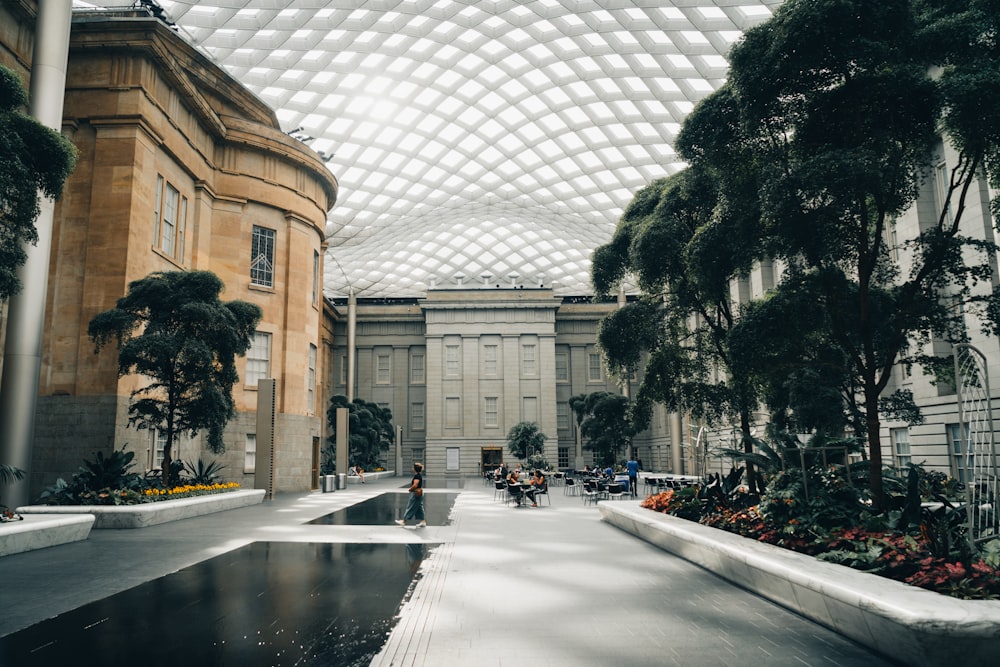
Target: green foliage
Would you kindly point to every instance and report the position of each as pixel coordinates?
(105, 480)
(605, 424)
(204, 473)
(370, 430)
(524, 440)
(172, 328)
(33, 158)
(9, 474)
(537, 461)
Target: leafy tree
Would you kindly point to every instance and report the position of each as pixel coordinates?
(604, 422)
(841, 102)
(172, 328)
(685, 243)
(33, 158)
(370, 430)
(524, 439)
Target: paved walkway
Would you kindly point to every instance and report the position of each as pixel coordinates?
(553, 586)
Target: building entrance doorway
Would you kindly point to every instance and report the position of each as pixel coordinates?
(491, 458)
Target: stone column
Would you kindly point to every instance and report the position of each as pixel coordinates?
(26, 313)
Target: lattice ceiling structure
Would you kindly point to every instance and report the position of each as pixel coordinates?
(489, 139)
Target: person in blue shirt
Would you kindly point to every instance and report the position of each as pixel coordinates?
(633, 475)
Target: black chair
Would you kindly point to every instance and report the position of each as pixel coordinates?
(571, 488)
(515, 494)
(543, 490)
(615, 491)
(499, 490)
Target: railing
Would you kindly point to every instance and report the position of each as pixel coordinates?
(977, 461)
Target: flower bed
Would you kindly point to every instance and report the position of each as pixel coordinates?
(909, 624)
(152, 513)
(888, 553)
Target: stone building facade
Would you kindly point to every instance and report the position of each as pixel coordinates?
(462, 365)
(180, 168)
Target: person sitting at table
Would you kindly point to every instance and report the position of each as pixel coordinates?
(537, 482)
(514, 477)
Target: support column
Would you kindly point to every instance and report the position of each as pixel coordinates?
(352, 352)
(26, 313)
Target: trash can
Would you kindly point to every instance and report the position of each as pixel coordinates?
(329, 483)
(342, 480)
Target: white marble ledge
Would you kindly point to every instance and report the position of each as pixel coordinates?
(908, 624)
(43, 530)
(150, 514)
(369, 476)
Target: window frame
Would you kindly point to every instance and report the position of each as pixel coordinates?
(418, 371)
(491, 412)
(252, 361)
(262, 276)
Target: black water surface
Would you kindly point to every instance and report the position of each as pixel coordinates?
(267, 604)
(385, 508)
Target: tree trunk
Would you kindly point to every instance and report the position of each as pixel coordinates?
(874, 448)
(752, 481)
(165, 468)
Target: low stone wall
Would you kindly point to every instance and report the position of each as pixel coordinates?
(150, 514)
(43, 530)
(905, 623)
(369, 476)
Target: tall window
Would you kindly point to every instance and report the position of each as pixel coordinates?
(961, 461)
(417, 368)
(562, 367)
(562, 457)
(262, 257)
(594, 368)
(562, 416)
(452, 460)
(452, 412)
(343, 369)
(311, 380)
(942, 190)
(258, 358)
(169, 220)
(315, 291)
(490, 360)
(528, 360)
(159, 444)
(383, 374)
(250, 453)
(416, 416)
(901, 446)
(491, 413)
(451, 360)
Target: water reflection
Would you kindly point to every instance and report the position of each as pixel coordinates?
(267, 604)
(383, 509)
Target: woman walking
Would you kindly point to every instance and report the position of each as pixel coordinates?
(415, 506)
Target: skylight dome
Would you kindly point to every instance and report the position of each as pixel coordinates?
(473, 138)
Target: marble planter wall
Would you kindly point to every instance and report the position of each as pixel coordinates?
(43, 530)
(908, 624)
(150, 514)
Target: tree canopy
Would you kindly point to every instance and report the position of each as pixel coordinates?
(370, 430)
(172, 328)
(827, 131)
(605, 424)
(33, 158)
(525, 439)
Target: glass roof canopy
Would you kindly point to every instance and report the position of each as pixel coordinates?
(475, 141)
